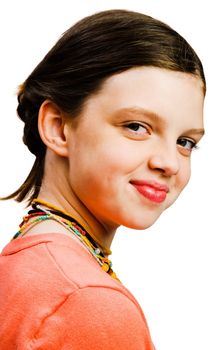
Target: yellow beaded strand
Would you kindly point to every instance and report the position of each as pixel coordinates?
(51, 206)
(30, 221)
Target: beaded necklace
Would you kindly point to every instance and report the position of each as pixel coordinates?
(39, 214)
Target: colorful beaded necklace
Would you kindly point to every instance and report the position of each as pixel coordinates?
(50, 212)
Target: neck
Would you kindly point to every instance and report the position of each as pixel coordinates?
(59, 193)
(102, 234)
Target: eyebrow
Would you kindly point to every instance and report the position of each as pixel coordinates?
(156, 118)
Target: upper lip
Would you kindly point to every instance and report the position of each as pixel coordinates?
(154, 184)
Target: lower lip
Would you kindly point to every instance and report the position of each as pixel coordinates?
(151, 193)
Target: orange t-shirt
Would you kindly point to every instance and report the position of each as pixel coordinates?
(55, 296)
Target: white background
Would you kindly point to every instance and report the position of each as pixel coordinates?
(172, 268)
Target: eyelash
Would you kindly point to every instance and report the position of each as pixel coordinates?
(133, 125)
(193, 144)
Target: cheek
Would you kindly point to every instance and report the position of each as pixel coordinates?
(184, 176)
(94, 167)
(107, 159)
(100, 173)
(181, 180)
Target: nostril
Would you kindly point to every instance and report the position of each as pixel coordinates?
(167, 165)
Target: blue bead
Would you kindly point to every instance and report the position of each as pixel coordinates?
(16, 235)
(97, 251)
(77, 232)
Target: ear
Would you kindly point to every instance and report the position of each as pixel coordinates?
(51, 125)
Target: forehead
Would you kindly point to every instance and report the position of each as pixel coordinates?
(174, 95)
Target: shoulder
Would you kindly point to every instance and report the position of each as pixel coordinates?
(34, 258)
(76, 305)
(95, 318)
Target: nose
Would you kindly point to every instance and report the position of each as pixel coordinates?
(165, 159)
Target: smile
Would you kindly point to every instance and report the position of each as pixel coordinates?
(153, 191)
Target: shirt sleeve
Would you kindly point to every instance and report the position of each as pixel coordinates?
(94, 318)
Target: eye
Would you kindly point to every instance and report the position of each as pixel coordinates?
(137, 128)
(187, 144)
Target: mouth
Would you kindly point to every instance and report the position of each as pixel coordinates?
(153, 191)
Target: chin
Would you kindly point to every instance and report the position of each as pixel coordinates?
(141, 223)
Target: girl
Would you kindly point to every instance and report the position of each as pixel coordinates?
(112, 114)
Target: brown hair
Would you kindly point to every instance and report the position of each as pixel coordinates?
(92, 50)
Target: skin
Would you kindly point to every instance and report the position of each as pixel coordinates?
(142, 125)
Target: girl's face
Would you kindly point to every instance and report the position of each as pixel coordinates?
(130, 150)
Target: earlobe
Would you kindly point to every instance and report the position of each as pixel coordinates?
(51, 125)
